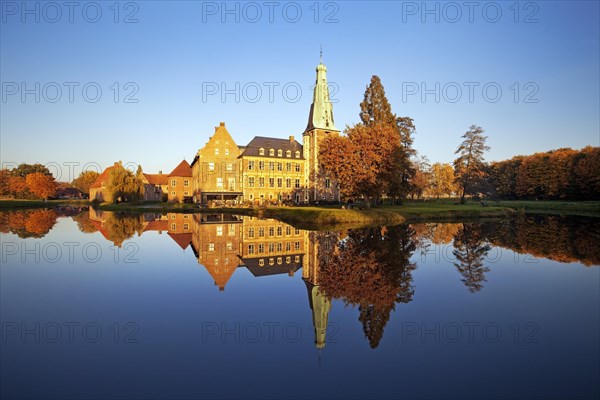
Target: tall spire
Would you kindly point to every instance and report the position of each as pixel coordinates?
(321, 109)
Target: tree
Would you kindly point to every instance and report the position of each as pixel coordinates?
(441, 180)
(85, 180)
(374, 156)
(470, 250)
(123, 184)
(420, 182)
(469, 166)
(41, 185)
(25, 169)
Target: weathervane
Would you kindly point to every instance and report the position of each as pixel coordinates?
(321, 54)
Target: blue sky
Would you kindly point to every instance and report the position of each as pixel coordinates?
(543, 56)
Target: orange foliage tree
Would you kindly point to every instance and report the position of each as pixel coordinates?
(41, 185)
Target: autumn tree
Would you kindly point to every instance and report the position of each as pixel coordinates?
(469, 166)
(41, 185)
(441, 180)
(420, 182)
(374, 156)
(470, 250)
(85, 180)
(123, 184)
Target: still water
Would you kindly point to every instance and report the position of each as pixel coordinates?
(100, 305)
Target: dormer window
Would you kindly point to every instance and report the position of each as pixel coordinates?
(261, 151)
(288, 153)
(216, 151)
(297, 154)
(271, 152)
(279, 153)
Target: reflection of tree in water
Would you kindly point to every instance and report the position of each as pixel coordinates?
(28, 223)
(470, 249)
(120, 227)
(84, 223)
(371, 268)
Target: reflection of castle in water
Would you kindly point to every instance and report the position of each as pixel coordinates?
(222, 243)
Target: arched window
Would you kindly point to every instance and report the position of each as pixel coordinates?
(279, 153)
(297, 154)
(288, 153)
(271, 152)
(261, 151)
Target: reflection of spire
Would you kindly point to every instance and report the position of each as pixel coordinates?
(320, 306)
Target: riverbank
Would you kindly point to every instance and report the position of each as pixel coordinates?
(334, 216)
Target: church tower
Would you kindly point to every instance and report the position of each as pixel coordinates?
(321, 124)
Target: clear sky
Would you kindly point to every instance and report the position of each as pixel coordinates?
(173, 56)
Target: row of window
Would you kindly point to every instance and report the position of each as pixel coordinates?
(272, 181)
(260, 248)
(272, 165)
(217, 151)
(229, 246)
(261, 231)
(186, 182)
(288, 260)
(288, 153)
(228, 166)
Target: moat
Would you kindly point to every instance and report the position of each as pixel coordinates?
(102, 304)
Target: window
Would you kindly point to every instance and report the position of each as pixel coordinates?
(173, 182)
(220, 183)
(261, 232)
(279, 153)
(271, 182)
(297, 183)
(250, 249)
(271, 152)
(226, 152)
(288, 246)
(211, 166)
(251, 181)
(250, 165)
(211, 247)
(271, 166)
(327, 183)
(271, 261)
(279, 260)
(231, 183)
(261, 248)
(261, 263)
(279, 247)
(271, 247)
(271, 231)
(288, 183)
(251, 232)
(186, 227)
(288, 153)
(297, 154)
(296, 231)
(186, 193)
(279, 182)
(173, 227)
(186, 182)
(297, 246)
(288, 230)
(173, 193)
(297, 259)
(219, 230)
(261, 151)
(229, 246)
(288, 260)
(261, 165)
(231, 230)
(279, 166)
(251, 197)
(216, 151)
(261, 182)
(297, 167)
(229, 167)
(288, 167)
(279, 230)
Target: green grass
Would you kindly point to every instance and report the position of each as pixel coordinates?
(12, 204)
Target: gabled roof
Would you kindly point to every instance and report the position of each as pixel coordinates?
(102, 178)
(267, 143)
(182, 239)
(183, 169)
(157, 179)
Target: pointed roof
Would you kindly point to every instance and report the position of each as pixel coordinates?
(266, 143)
(321, 109)
(103, 177)
(182, 239)
(183, 169)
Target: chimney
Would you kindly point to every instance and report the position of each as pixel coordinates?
(291, 139)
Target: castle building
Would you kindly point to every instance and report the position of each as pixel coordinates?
(267, 170)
